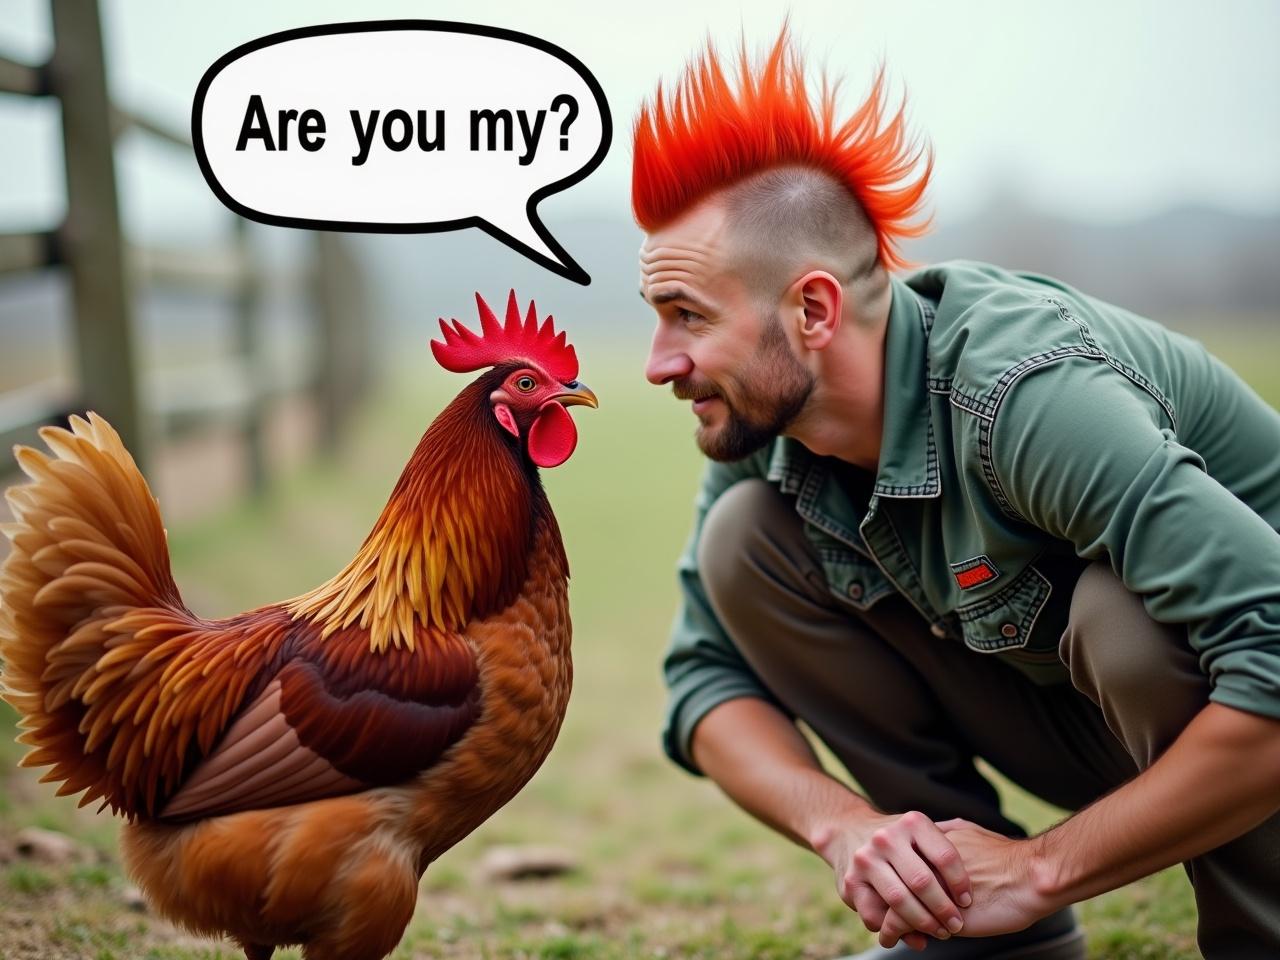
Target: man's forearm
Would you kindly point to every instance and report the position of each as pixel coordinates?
(758, 757)
(1219, 779)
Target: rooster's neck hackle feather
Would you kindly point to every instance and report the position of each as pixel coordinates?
(451, 543)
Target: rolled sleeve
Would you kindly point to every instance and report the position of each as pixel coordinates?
(1090, 457)
(703, 668)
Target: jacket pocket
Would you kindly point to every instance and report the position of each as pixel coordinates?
(1004, 620)
(852, 578)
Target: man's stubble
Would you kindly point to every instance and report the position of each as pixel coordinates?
(768, 395)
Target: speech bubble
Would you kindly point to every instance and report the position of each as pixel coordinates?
(402, 126)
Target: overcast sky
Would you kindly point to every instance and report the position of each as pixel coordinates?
(1098, 110)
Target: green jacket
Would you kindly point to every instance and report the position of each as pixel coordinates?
(1028, 430)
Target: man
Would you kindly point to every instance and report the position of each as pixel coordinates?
(960, 513)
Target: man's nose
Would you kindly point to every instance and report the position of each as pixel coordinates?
(666, 364)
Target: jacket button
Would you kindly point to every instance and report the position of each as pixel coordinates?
(1009, 630)
(938, 630)
(855, 591)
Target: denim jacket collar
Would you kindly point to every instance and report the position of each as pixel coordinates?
(908, 455)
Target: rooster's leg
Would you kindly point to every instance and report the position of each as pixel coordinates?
(257, 951)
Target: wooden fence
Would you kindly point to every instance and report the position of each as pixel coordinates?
(103, 271)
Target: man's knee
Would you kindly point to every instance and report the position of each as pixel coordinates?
(1142, 673)
(752, 540)
(1108, 643)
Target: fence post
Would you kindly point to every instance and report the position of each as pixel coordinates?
(90, 237)
(342, 367)
(248, 324)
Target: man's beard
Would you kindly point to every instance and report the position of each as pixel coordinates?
(768, 397)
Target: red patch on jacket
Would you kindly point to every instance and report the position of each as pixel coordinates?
(982, 571)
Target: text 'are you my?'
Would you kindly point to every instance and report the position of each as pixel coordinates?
(397, 130)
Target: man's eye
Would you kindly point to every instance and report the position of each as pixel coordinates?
(525, 384)
(688, 316)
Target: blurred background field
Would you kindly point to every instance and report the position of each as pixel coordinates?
(278, 412)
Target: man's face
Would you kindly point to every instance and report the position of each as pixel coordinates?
(716, 345)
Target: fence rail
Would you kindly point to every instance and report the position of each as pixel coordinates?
(122, 121)
(21, 78)
(24, 252)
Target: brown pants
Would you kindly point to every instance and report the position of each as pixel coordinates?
(907, 713)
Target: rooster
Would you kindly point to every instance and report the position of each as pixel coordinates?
(289, 773)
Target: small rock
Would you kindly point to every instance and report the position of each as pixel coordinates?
(526, 863)
(46, 846)
(133, 899)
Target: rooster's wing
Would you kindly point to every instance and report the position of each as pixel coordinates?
(336, 718)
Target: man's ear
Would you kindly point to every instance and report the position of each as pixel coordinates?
(821, 298)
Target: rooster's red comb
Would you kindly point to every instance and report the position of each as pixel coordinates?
(463, 351)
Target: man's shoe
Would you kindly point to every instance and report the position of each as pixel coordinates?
(1056, 937)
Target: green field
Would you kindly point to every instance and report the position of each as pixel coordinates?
(668, 868)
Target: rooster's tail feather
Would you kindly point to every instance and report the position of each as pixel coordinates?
(89, 552)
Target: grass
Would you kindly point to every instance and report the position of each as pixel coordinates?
(668, 867)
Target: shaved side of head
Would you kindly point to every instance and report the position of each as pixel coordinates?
(788, 220)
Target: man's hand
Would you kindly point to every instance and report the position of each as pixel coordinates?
(903, 868)
(1004, 896)
(881, 863)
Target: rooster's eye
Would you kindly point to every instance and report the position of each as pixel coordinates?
(525, 384)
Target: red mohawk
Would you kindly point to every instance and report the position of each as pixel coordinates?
(708, 135)
(462, 351)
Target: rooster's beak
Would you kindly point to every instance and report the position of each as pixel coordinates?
(578, 394)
